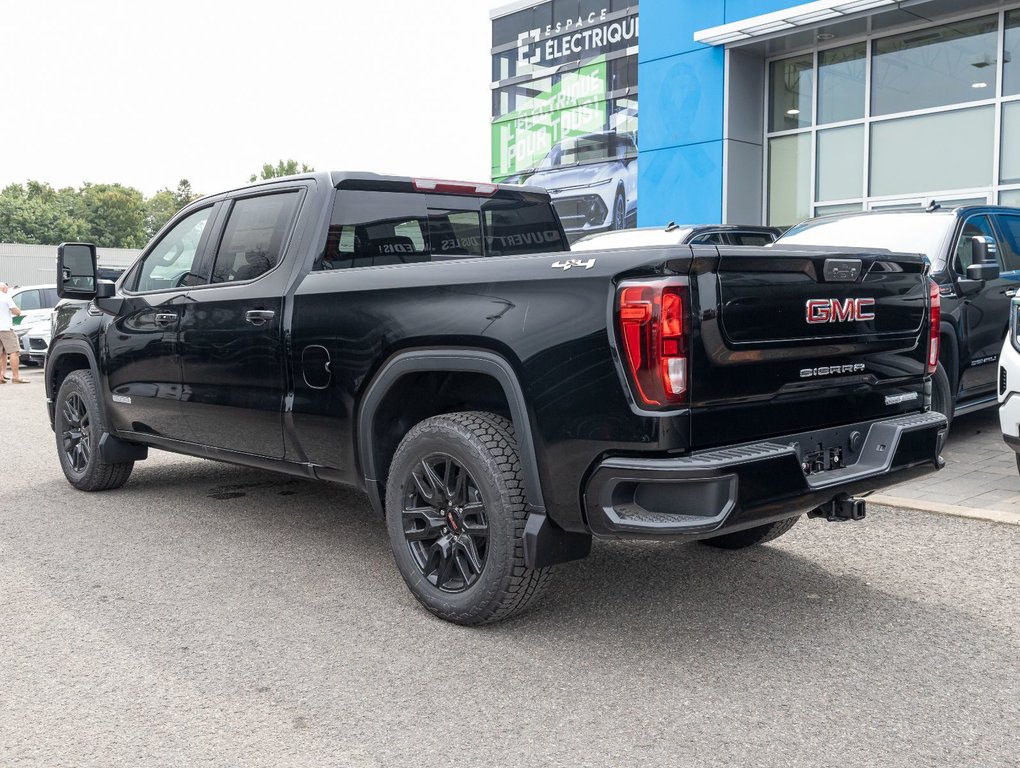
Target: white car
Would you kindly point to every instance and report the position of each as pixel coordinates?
(1009, 383)
(36, 343)
(36, 303)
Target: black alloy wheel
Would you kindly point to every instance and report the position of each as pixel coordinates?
(79, 424)
(445, 523)
(455, 513)
(75, 434)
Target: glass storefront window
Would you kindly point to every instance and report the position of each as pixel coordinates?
(789, 179)
(841, 83)
(623, 73)
(839, 163)
(791, 82)
(1009, 161)
(1010, 197)
(935, 67)
(824, 210)
(623, 116)
(910, 155)
(1011, 55)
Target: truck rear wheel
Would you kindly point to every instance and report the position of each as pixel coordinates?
(752, 536)
(455, 513)
(78, 423)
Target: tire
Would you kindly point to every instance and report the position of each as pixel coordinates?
(79, 424)
(455, 513)
(942, 399)
(752, 536)
(619, 210)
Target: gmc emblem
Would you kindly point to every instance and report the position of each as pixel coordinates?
(839, 311)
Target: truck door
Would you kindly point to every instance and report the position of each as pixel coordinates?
(986, 312)
(233, 369)
(142, 358)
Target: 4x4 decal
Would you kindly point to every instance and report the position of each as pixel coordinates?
(565, 265)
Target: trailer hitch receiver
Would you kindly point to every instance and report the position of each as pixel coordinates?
(840, 509)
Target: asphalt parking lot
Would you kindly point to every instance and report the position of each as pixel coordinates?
(211, 615)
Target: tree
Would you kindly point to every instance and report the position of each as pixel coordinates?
(184, 194)
(158, 210)
(110, 215)
(164, 204)
(38, 214)
(282, 168)
(115, 214)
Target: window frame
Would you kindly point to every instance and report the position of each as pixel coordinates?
(1005, 242)
(998, 98)
(129, 285)
(227, 209)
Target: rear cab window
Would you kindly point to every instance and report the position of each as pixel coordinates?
(379, 228)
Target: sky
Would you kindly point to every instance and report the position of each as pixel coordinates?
(148, 93)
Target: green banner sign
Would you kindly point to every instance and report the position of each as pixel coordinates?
(574, 106)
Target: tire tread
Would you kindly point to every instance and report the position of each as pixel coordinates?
(751, 537)
(521, 585)
(99, 475)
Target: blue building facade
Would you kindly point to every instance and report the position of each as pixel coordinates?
(684, 84)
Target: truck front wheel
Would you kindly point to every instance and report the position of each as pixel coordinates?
(78, 423)
(455, 513)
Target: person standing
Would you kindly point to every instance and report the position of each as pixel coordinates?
(8, 339)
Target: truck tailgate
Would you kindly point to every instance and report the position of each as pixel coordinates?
(792, 341)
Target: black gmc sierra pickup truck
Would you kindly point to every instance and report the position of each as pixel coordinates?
(500, 400)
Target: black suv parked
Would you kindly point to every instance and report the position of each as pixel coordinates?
(975, 257)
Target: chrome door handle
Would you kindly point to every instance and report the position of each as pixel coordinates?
(165, 318)
(1011, 293)
(259, 316)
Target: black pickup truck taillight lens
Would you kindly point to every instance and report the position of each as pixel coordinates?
(933, 330)
(652, 316)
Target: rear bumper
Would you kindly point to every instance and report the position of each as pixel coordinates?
(727, 489)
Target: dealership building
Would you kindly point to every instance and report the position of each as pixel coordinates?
(755, 111)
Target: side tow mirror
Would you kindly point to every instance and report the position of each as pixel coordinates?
(986, 259)
(76, 271)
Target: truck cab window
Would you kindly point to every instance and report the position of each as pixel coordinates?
(974, 226)
(1009, 226)
(169, 263)
(254, 237)
(373, 229)
(516, 227)
(455, 233)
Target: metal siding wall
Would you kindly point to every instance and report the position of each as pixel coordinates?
(37, 264)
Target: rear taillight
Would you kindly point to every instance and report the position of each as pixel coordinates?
(652, 319)
(935, 317)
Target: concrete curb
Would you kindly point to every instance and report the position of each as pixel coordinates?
(993, 515)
